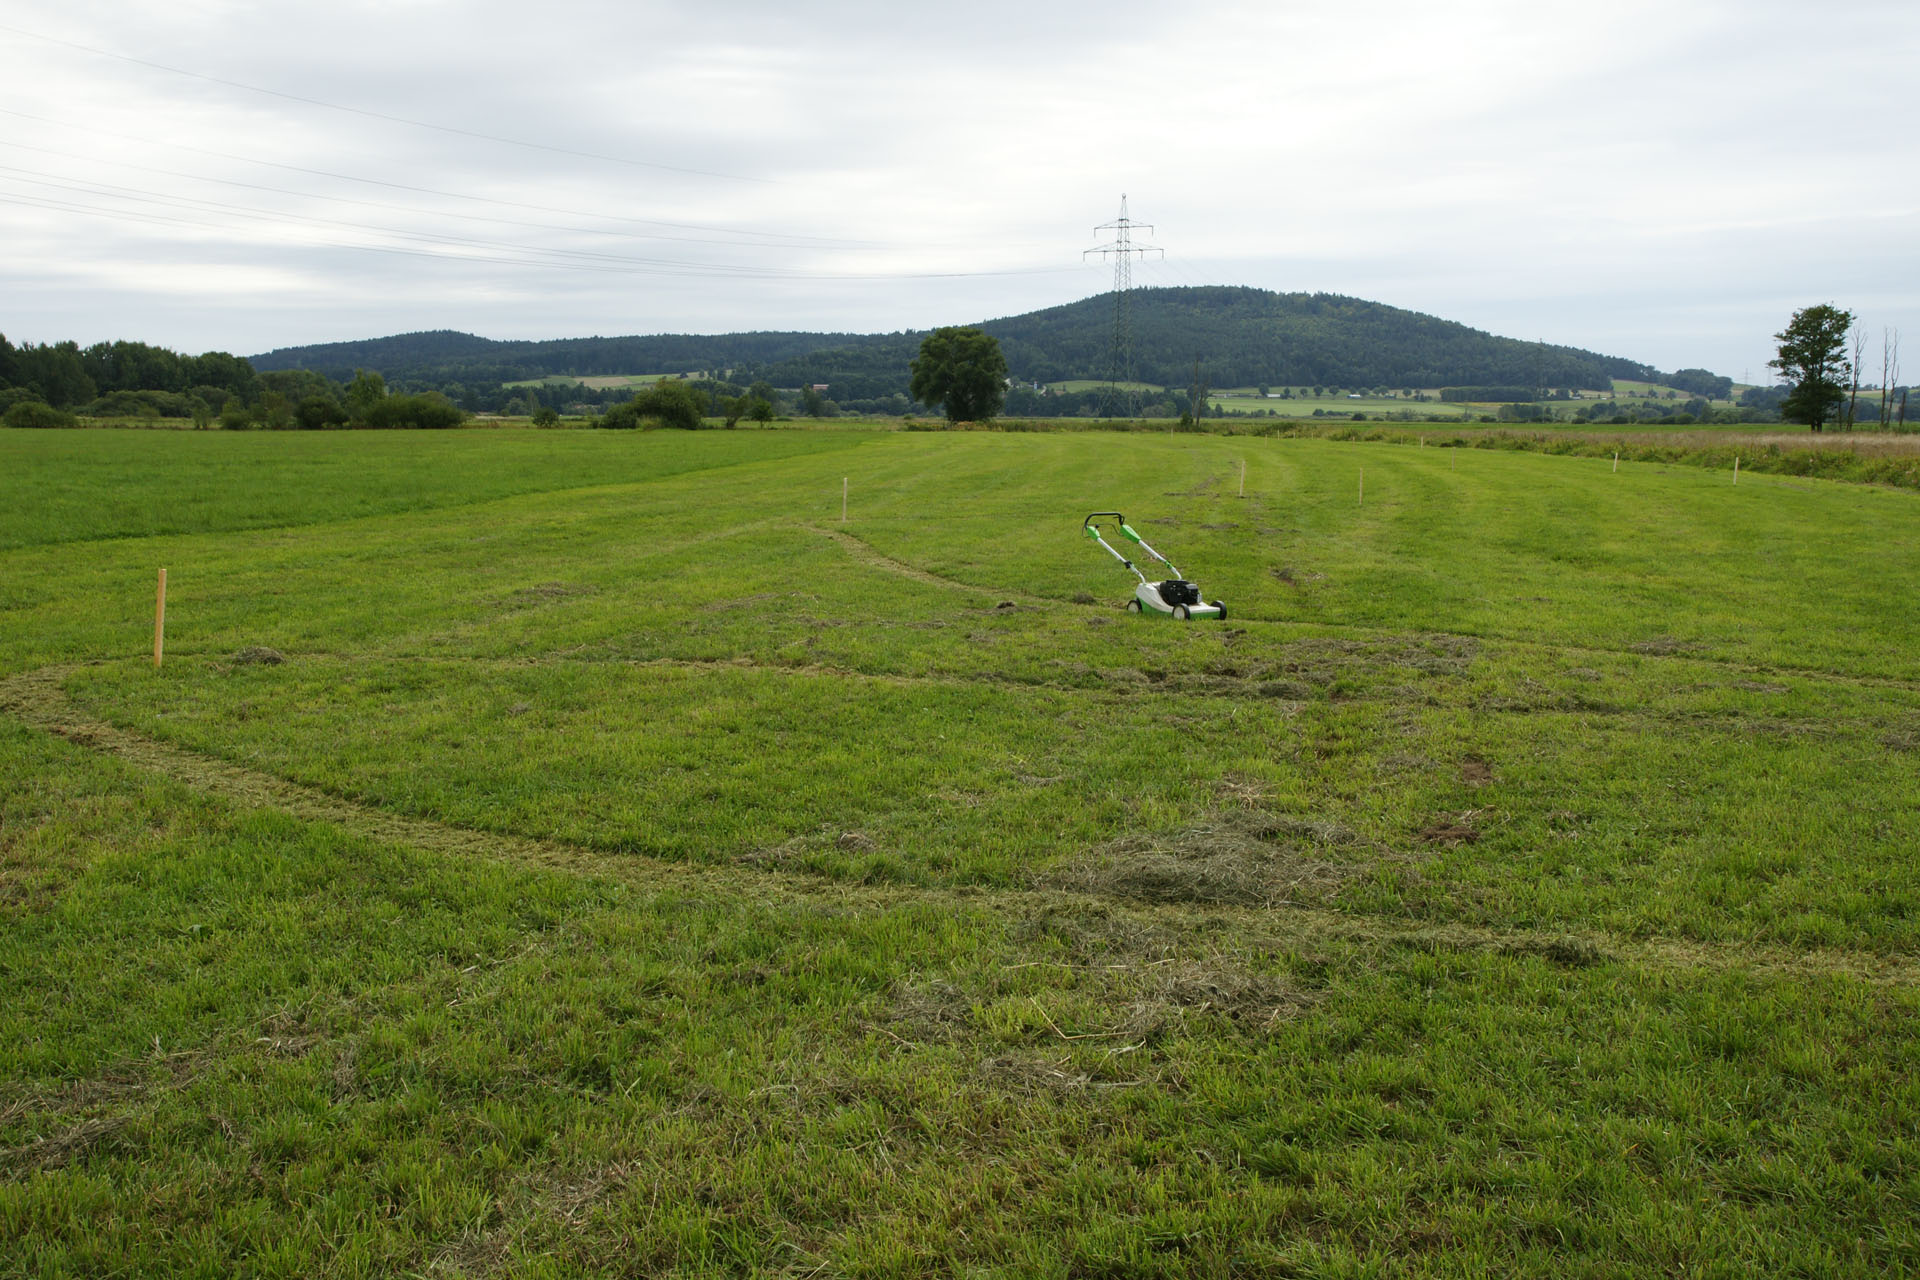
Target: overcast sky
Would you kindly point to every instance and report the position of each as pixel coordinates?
(1663, 181)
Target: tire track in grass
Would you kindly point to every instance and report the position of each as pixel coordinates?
(867, 555)
(39, 700)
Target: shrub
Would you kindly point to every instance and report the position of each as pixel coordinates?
(32, 413)
(121, 404)
(316, 413)
(145, 404)
(624, 416)
(427, 411)
(546, 416)
(665, 404)
(672, 404)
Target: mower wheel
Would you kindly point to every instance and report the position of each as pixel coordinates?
(1222, 608)
(1133, 606)
(1181, 613)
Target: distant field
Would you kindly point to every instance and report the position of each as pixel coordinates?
(1624, 388)
(1099, 384)
(597, 382)
(1338, 406)
(1302, 404)
(583, 853)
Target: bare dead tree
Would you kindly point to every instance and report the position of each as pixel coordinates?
(1889, 373)
(1853, 375)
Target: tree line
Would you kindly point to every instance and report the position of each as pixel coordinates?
(47, 385)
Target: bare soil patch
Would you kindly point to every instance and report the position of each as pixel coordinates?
(1449, 832)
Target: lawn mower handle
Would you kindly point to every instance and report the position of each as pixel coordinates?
(1127, 531)
(1087, 526)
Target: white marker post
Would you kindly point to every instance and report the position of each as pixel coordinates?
(1616, 462)
(1243, 477)
(843, 499)
(1363, 486)
(1736, 468)
(159, 620)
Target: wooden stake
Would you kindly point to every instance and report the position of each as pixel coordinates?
(1616, 462)
(1736, 468)
(159, 620)
(843, 499)
(1363, 486)
(1243, 477)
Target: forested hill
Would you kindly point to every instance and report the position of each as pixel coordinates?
(1240, 336)
(444, 355)
(1249, 337)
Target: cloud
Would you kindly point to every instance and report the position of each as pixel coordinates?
(1630, 174)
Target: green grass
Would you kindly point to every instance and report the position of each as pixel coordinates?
(631, 869)
(71, 486)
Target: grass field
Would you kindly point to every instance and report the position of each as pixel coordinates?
(1099, 384)
(596, 382)
(581, 853)
(1247, 400)
(1341, 406)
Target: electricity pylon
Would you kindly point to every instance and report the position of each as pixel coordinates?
(1122, 251)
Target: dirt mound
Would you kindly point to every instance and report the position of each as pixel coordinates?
(258, 655)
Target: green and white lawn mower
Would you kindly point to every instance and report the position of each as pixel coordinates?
(1174, 598)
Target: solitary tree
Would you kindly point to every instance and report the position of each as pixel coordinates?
(1813, 361)
(961, 369)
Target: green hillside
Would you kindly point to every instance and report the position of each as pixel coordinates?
(1240, 336)
(1249, 337)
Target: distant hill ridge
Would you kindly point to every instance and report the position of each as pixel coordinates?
(1240, 336)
